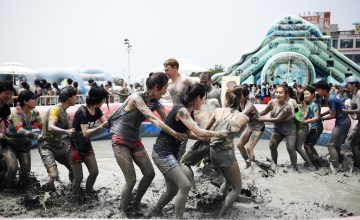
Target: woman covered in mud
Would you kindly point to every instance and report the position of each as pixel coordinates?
(222, 153)
(282, 115)
(253, 131)
(126, 141)
(352, 85)
(166, 148)
(81, 149)
(18, 138)
(301, 129)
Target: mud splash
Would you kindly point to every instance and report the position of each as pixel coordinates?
(282, 194)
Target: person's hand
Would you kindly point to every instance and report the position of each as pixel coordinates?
(303, 122)
(345, 111)
(221, 134)
(70, 132)
(180, 136)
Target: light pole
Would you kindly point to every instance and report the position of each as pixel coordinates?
(128, 48)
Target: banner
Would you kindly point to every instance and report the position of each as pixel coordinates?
(228, 82)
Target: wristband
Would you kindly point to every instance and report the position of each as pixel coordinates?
(217, 134)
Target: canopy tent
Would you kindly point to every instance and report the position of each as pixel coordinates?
(185, 67)
(14, 68)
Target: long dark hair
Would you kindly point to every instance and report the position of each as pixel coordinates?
(190, 93)
(233, 96)
(158, 79)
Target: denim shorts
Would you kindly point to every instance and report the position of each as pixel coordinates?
(164, 163)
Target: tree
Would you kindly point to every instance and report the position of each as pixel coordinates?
(216, 69)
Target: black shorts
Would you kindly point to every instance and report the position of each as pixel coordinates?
(313, 136)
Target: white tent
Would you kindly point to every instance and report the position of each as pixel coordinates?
(14, 68)
(185, 67)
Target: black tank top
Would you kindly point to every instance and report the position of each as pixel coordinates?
(166, 144)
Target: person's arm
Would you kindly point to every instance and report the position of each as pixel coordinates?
(141, 106)
(354, 111)
(285, 113)
(88, 132)
(184, 116)
(248, 108)
(267, 108)
(193, 136)
(20, 130)
(330, 116)
(315, 118)
(38, 119)
(210, 122)
(325, 113)
(162, 113)
(331, 113)
(53, 119)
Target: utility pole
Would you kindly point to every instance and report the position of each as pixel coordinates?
(128, 49)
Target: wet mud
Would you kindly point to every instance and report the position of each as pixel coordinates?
(268, 192)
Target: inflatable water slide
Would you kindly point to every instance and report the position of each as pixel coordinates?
(293, 50)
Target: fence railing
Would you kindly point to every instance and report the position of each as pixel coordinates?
(54, 99)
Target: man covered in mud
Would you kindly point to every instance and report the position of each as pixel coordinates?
(6, 90)
(342, 122)
(211, 91)
(177, 83)
(352, 85)
(124, 91)
(54, 144)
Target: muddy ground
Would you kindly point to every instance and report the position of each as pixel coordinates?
(285, 194)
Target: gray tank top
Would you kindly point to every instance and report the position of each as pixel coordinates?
(127, 124)
(224, 124)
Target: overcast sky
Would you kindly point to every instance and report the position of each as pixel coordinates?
(81, 33)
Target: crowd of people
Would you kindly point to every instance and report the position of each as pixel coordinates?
(197, 113)
(49, 92)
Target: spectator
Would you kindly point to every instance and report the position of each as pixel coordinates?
(109, 89)
(79, 98)
(56, 88)
(69, 81)
(124, 91)
(24, 86)
(50, 92)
